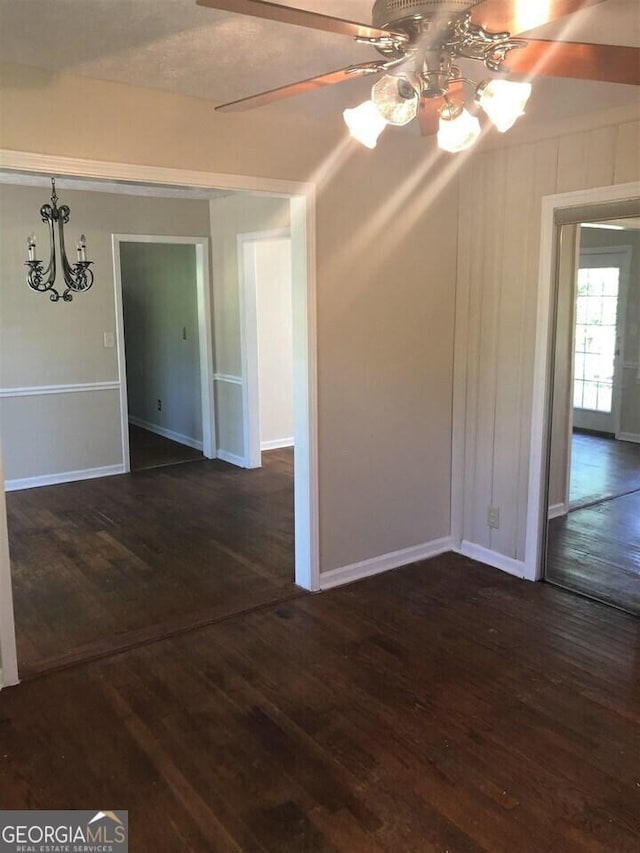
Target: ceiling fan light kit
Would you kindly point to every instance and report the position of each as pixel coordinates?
(503, 101)
(420, 42)
(396, 98)
(458, 129)
(365, 123)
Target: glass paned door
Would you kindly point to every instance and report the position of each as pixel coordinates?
(597, 342)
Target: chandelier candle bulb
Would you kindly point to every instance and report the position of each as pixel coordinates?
(31, 247)
(82, 248)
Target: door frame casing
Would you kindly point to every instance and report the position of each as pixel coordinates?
(556, 210)
(205, 340)
(249, 340)
(302, 200)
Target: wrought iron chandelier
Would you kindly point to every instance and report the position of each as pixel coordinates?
(77, 277)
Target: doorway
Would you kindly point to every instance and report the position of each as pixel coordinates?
(299, 199)
(164, 349)
(266, 291)
(594, 445)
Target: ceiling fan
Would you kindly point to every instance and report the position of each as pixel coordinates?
(420, 42)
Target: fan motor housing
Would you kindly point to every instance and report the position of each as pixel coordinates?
(387, 13)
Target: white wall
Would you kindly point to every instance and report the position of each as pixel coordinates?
(230, 217)
(499, 229)
(161, 333)
(386, 248)
(275, 341)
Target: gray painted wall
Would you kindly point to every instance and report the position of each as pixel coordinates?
(161, 338)
(43, 344)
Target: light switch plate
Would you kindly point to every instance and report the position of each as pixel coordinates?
(109, 340)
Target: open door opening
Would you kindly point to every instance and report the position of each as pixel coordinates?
(164, 350)
(594, 472)
(100, 563)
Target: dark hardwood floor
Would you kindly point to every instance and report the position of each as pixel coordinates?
(442, 707)
(149, 450)
(602, 468)
(100, 565)
(595, 549)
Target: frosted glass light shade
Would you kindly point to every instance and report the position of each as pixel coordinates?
(365, 123)
(503, 101)
(458, 132)
(389, 96)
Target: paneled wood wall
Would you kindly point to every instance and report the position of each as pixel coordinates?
(499, 240)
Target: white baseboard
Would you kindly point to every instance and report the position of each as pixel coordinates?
(166, 433)
(8, 682)
(556, 510)
(628, 436)
(276, 444)
(385, 562)
(231, 458)
(63, 477)
(492, 558)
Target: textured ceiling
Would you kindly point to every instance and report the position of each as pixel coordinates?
(180, 47)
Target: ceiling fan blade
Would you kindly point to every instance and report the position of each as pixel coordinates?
(518, 16)
(429, 115)
(299, 17)
(608, 62)
(308, 85)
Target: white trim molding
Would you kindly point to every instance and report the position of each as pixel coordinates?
(628, 436)
(232, 459)
(63, 477)
(277, 443)
(227, 377)
(492, 558)
(557, 510)
(27, 161)
(187, 440)
(45, 390)
(384, 563)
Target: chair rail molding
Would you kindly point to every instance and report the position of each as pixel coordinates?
(45, 390)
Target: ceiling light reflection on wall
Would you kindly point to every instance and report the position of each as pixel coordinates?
(458, 129)
(503, 101)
